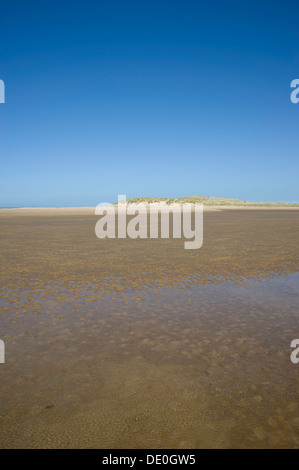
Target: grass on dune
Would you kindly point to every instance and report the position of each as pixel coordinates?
(208, 201)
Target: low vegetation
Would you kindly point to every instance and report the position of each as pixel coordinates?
(208, 201)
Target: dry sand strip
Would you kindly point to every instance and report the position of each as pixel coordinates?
(48, 211)
(263, 208)
(65, 211)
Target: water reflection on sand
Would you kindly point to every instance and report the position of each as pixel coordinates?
(187, 359)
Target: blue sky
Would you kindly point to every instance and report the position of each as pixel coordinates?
(148, 98)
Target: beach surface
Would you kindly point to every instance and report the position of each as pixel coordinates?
(123, 343)
(47, 211)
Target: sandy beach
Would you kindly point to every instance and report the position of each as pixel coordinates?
(142, 344)
(46, 211)
(166, 317)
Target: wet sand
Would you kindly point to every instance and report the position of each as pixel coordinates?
(142, 344)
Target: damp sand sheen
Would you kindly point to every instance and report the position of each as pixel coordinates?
(142, 344)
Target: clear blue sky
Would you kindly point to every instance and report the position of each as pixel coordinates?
(148, 98)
